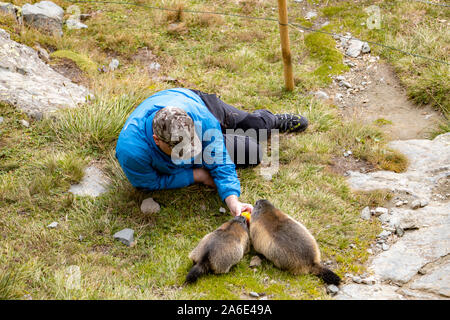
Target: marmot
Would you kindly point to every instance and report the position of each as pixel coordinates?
(286, 242)
(221, 249)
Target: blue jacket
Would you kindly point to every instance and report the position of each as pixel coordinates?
(146, 166)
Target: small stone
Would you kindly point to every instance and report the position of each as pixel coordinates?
(423, 203)
(321, 95)
(253, 294)
(25, 123)
(384, 234)
(365, 48)
(255, 262)
(1, 120)
(53, 225)
(340, 78)
(365, 213)
(222, 210)
(332, 289)
(154, 66)
(350, 63)
(75, 24)
(114, 64)
(311, 14)
(415, 204)
(399, 203)
(150, 206)
(369, 251)
(263, 298)
(80, 237)
(380, 210)
(357, 279)
(399, 231)
(385, 247)
(369, 281)
(345, 84)
(125, 236)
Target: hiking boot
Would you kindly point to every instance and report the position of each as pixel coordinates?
(291, 122)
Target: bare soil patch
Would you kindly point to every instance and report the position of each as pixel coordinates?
(377, 97)
(340, 165)
(70, 70)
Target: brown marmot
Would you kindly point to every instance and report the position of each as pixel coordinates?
(221, 249)
(286, 242)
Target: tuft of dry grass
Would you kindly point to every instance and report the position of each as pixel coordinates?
(177, 15)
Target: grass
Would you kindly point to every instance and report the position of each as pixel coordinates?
(83, 62)
(38, 164)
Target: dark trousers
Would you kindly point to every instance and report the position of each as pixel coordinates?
(242, 146)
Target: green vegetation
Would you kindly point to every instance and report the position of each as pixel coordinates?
(241, 61)
(83, 62)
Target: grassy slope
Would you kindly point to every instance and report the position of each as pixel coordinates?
(238, 59)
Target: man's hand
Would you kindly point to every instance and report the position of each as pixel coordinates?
(236, 207)
(202, 176)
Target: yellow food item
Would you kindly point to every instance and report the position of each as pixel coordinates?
(246, 215)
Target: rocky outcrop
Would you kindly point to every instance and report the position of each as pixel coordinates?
(8, 8)
(416, 264)
(31, 85)
(45, 16)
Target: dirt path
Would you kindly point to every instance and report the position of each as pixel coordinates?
(373, 94)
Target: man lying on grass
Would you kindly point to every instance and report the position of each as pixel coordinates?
(179, 137)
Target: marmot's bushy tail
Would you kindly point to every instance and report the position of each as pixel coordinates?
(328, 276)
(200, 268)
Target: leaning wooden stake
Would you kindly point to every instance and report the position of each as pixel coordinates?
(285, 47)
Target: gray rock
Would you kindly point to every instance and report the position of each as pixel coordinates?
(423, 203)
(350, 63)
(332, 289)
(399, 203)
(357, 279)
(408, 255)
(321, 95)
(93, 184)
(415, 204)
(345, 84)
(385, 218)
(437, 280)
(253, 294)
(113, 65)
(340, 78)
(8, 8)
(310, 14)
(25, 123)
(52, 225)
(1, 120)
(155, 66)
(125, 236)
(363, 292)
(369, 280)
(29, 84)
(365, 48)
(150, 206)
(45, 16)
(380, 210)
(222, 210)
(385, 247)
(365, 213)
(399, 231)
(354, 48)
(255, 262)
(384, 234)
(75, 24)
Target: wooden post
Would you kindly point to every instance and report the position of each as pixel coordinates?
(285, 47)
